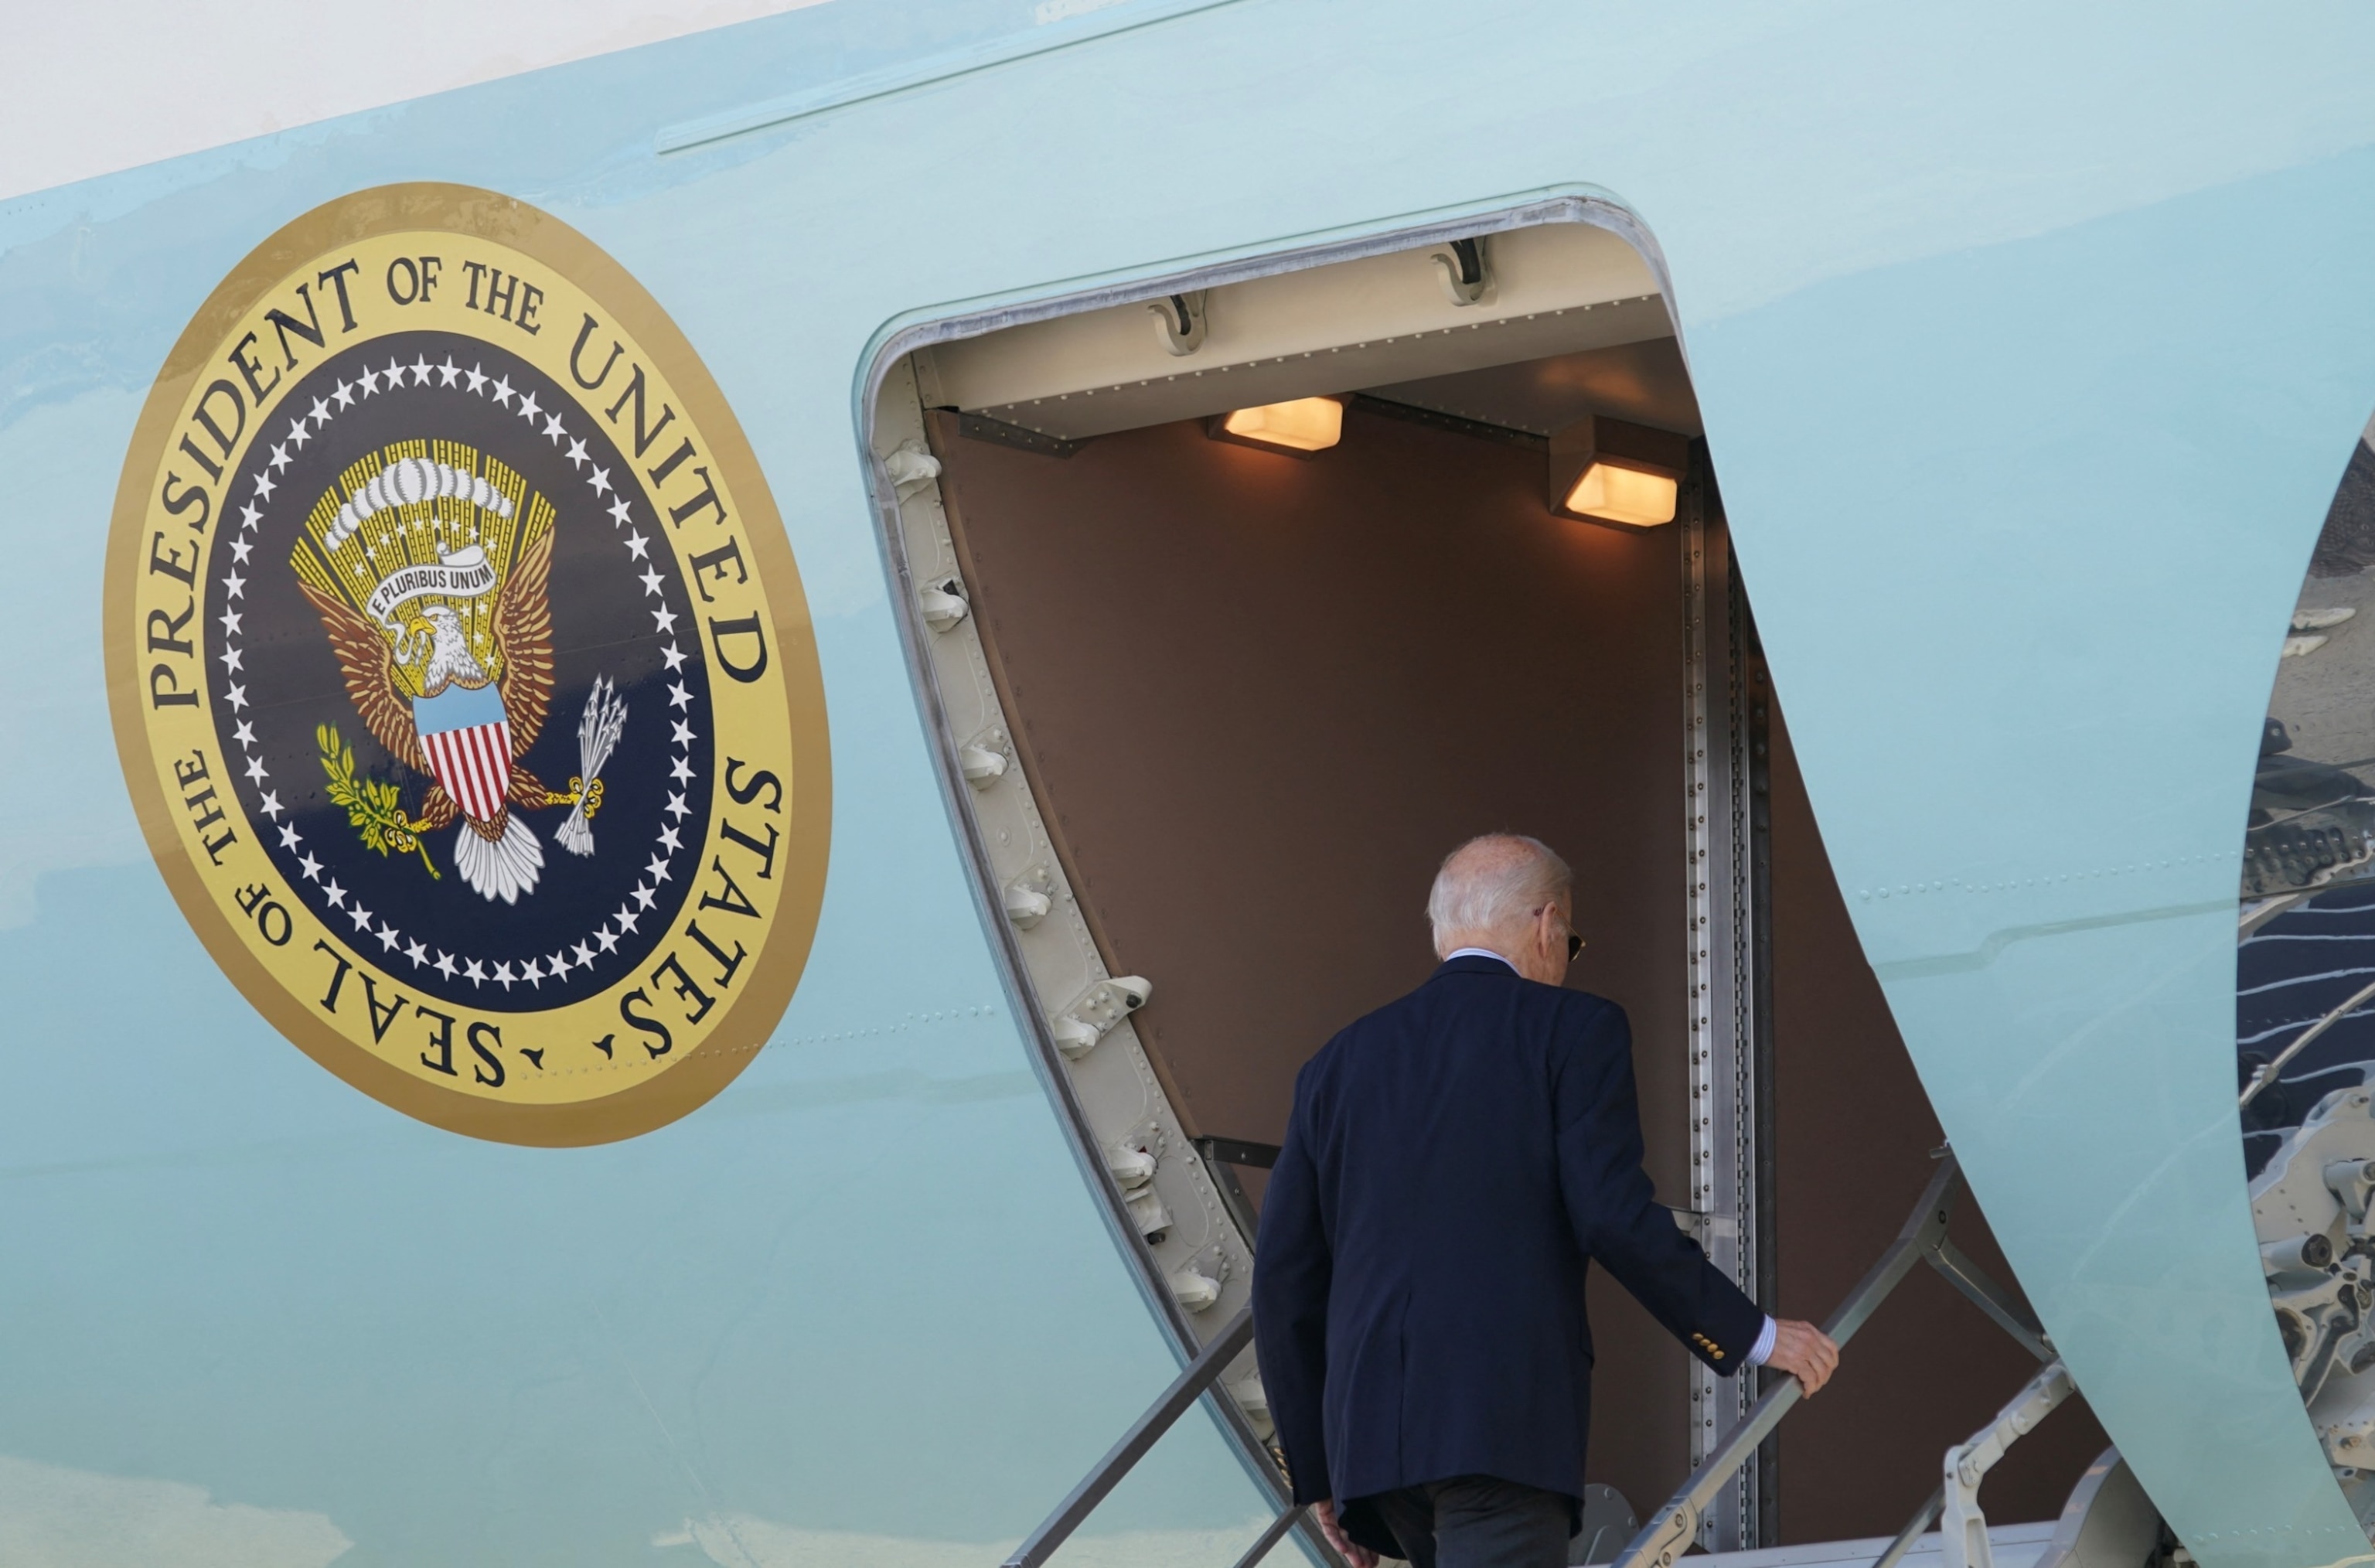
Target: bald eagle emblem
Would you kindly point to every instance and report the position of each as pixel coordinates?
(430, 566)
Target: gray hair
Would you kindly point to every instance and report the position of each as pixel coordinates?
(1492, 881)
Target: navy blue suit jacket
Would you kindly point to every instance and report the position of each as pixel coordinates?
(1455, 1161)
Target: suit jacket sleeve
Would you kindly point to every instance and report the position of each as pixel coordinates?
(1614, 1210)
(1292, 1268)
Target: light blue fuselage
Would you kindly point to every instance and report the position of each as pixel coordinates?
(2030, 344)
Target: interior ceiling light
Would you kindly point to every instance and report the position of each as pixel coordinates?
(1303, 427)
(1609, 471)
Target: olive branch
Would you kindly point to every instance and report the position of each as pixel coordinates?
(374, 805)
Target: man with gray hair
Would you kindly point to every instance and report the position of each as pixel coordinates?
(1455, 1162)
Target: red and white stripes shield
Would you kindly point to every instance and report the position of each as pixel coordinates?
(468, 738)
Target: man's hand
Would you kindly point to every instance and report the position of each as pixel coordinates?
(1806, 1352)
(1358, 1556)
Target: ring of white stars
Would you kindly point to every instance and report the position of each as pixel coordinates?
(480, 971)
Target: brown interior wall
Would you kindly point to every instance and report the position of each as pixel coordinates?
(1258, 697)
(1853, 1132)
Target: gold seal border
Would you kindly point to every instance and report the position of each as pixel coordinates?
(781, 959)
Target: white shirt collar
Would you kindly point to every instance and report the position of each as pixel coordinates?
(1478, 952)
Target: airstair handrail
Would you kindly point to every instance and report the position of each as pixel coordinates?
(1922, 1239)
(1194, 1380)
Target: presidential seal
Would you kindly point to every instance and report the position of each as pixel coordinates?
(462, 675)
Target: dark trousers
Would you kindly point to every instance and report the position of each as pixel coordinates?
(1477, 1521)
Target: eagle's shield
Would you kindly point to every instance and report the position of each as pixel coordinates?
(468, 738)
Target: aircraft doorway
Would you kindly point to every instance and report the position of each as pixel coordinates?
(1212, 711)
